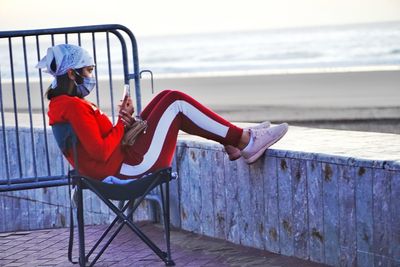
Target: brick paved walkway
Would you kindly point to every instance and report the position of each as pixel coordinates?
(49, 248)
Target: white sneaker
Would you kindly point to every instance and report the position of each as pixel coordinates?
(262, 139)
(234, 152)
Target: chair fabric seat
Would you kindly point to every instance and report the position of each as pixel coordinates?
(128, 191)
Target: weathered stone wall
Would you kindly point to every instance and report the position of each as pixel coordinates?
(341, 209)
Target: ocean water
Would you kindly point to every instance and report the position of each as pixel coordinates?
(348, 46)
(370, 46)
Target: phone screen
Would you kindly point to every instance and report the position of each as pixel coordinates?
(125, 94)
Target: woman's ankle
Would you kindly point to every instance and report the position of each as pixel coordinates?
(244, 140)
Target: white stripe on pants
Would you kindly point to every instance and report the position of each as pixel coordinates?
(163, 125)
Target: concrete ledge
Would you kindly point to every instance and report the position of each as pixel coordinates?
(355, 148)
(324, 195)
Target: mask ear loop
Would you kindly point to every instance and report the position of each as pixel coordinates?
(75, 82)
(79, 75)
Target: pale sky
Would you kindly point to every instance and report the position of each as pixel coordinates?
(164, 17)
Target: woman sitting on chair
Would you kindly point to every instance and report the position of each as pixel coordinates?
(101, 153)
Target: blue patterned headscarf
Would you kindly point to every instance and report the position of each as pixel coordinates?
(67, 57)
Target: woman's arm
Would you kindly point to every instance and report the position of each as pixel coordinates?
(83, 120)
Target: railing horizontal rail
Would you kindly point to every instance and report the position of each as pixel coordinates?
(78, 29)
(32, 179)
(58, 181)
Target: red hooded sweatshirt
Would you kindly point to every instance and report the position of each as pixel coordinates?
(99, 150)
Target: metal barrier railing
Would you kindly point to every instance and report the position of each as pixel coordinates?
(26, 152)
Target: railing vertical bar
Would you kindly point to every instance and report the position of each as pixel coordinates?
(61, 160)
(15, 106)
(126, 66)
(4, 131)
(136, 71)
(110, 76)
(95, 69)
(43, 109)
(79, 39)
(28, 92)
(66, 38)
(124, 56)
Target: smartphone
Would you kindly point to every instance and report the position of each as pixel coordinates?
(125, 94)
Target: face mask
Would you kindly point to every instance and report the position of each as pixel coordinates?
(86, 86)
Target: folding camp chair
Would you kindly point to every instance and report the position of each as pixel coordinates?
(133, 192)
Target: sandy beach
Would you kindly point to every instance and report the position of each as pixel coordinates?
(364, 98)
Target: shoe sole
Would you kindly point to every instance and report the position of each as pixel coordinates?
(255, 157)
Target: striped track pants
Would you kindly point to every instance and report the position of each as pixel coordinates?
(169, 112)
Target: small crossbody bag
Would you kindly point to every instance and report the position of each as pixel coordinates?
(133, 131)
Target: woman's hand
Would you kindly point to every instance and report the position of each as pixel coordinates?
(126, 104)
(126, 110)
(126, 118)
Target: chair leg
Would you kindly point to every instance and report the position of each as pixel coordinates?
(81, 225)
(109, 228)
(125, 220)
(121, 204)
(129, 223)
(166, 216)
(106, 232)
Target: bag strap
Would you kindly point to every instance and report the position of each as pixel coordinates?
(74, 143)
(132, 132)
